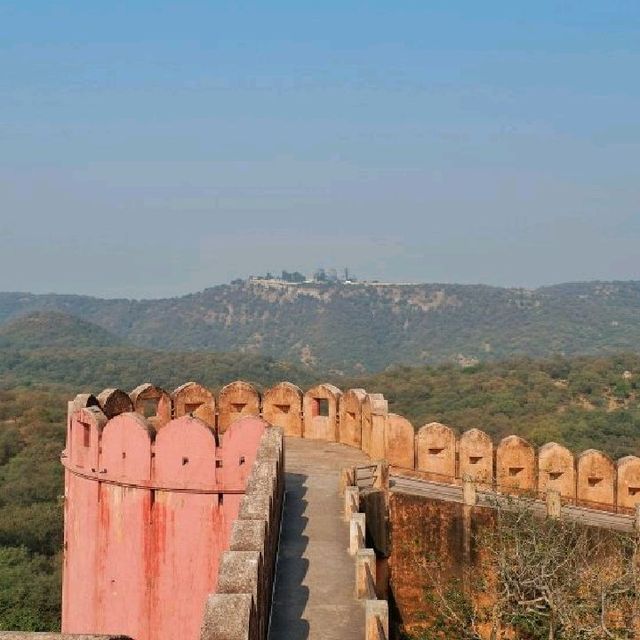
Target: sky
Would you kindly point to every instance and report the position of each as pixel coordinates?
(152, 149)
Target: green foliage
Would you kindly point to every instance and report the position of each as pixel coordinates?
(361, 327)
(32, 435)
(30, 590)
(581, 402)
(54, 329)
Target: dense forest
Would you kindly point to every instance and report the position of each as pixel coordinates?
(582, 402)
(352, 328)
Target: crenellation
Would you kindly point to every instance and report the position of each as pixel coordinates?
(515, 465)
(350, 432)
(399, 442)
(436, 451)
(113, 402)
(556, 470)
(320, 411)
(475, 457)
(375, 410)
(237, 400)
(195, 400)
(152, 402)
(596, 479)
(282, 407)
(628, 482)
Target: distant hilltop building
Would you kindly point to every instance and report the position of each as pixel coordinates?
(320, 275)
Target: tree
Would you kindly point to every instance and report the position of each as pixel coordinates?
(540, 579)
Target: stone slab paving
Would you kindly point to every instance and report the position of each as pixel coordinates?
(315, 576)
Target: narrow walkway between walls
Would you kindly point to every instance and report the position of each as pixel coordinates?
(315, 576)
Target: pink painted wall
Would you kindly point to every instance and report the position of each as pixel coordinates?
(144, 529)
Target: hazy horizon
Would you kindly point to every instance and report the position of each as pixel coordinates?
(153, 150)
(367, 282)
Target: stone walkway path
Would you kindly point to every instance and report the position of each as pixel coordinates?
(315, 576)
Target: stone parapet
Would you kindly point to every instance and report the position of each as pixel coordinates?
(247, 570)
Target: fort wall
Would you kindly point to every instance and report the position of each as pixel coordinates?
(362, 420)
(149, 509)
(139, 465)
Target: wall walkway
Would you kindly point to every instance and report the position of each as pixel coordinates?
(314, 593)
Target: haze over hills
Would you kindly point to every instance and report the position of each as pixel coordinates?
(365, 327)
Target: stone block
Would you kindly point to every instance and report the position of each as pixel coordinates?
(351, 502)
(436, 452)
(399, 442)
(195, 400)
(475, 454)
(596, 479)
(376, 620)
(236, 400)
(365, 574)
(515, 465)
(556, 470)
(320, 409)
(350, 431)
(282, 407)
(229, 617)
(628, 477)
(357, 532)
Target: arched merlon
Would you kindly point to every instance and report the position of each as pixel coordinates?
(475, 455)
(83, 439)
(436, 451)
(239, 448)
(321, 412)
(375, 410)
(193, 399)
(399, 441)
(236, 400)
(185, 454)
(282, 407)
(628, 489)
(152, 402)
(556, 470)
(113, 402)
(82, 401)
(350, 423)
(515, 465)
(126, 449)
(596, 478)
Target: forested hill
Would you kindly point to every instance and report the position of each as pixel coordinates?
(367, 327)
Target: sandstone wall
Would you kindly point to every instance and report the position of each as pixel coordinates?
(148, 514)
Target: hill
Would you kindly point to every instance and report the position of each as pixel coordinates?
(367, 327)
(54, 329)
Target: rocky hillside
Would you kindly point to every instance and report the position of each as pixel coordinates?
(367, 327)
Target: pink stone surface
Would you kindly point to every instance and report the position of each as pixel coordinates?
(145, 522)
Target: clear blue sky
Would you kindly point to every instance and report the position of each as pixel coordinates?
(155, 148)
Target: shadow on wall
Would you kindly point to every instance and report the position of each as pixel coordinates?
(287, 621)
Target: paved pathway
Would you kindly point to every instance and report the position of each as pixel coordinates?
(315, 575)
